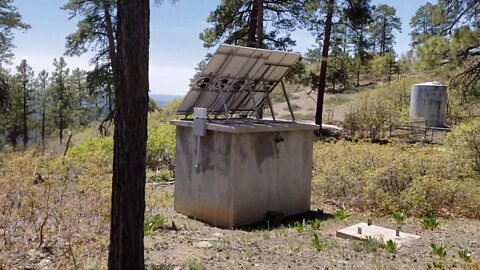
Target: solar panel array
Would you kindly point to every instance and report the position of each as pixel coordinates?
(237, 80)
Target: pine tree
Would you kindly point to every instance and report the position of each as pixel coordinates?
(384, 24)
(429, 20)
(42, 84)
(61, 97)
(96, 31)
(319, 19)
(11, 118)
(25, 80)
(453, 50)
(10, 19)
(242, 23)
(82, 101)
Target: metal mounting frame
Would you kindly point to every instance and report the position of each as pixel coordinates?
(238, 81)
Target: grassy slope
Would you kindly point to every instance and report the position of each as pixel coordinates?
(69, 209)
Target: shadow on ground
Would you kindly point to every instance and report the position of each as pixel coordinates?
(275, 220)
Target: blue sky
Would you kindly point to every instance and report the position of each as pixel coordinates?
(175, 48)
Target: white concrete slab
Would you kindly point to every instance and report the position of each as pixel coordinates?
(378, 232)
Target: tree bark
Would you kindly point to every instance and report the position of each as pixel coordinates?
(260, 24)
(25, 112)
(384, 36)
(130, 136)
(43, 126)
(252, 25)
(61, 121)
(112, 50)
(324, 62)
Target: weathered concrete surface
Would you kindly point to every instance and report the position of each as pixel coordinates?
(381, 233)
(249, 125)
(241, 177)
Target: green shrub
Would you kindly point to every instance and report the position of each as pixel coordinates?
(299, 226)
(373, 112)
(439, 250)
(159, 176)
(465, 140)
(385, 178)
(368, 244)
(465, 255)
(154, 223)
(318, 244)
(429, 223)
(160, 145)
(93, 149)
(399, 217)
(391, 246)
(165, 114)
(340, 214)
(315, 224)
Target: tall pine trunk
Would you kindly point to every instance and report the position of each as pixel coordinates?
(260, 24)
(43, 126)
(358, 73)
(130, 136)
(24, 116)
(112, 54)
(252, 25)
(324, 62)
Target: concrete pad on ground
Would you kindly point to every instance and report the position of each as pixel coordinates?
(378, 232)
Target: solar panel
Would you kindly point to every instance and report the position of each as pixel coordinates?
(237, 80)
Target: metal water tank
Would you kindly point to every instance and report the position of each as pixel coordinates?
(428, 103)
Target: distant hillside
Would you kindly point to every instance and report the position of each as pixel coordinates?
(162, 100)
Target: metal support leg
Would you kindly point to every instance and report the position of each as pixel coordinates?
(222, 96)
(254, 105)
(269, 102)
(287, 99)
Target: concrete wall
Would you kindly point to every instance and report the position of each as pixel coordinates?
(204, 192)
(242, 176)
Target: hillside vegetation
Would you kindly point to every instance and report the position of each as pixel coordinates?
(62, 203)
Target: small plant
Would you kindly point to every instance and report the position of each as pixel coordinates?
(152, 224)
(465, 255)
(391, 246)
(340, 214)
(318, 244)
(400, 217)
(439, 250)
(430, 223)
(194, 264)
(299, 226)
(315, 224)
(368, 244)
(435, 266)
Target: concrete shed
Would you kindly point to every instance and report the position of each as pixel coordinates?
(233, 168)
(246, 169)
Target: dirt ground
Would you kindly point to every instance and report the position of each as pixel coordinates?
(336, 106)
(196, 245)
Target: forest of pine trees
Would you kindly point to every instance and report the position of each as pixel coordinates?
(355, 43)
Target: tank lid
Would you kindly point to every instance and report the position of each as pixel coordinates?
(430, 84)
